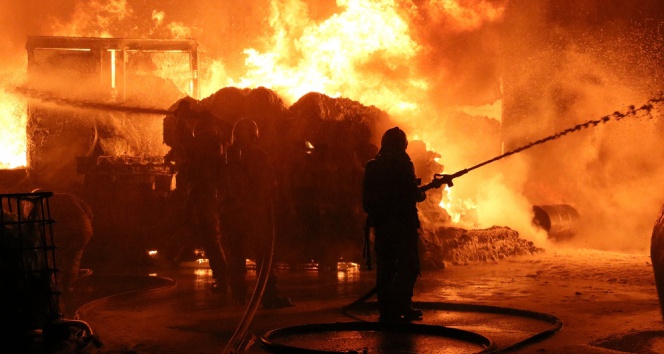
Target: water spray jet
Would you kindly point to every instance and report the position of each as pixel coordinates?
(645, 109)
(82, 104)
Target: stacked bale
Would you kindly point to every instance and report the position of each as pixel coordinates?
(332, 141)
(261, 105)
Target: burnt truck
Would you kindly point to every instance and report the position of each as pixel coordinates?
(112, 159)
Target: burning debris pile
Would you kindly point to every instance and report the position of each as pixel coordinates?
(332, 140)
(319, 147)
(441, 67)
(463, 247)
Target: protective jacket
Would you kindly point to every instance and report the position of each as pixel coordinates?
(391, 191)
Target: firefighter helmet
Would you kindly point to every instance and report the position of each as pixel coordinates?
(245, 132)
(394, 139)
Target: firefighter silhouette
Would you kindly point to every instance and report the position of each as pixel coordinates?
(196, 140)
(391, 192)
(248, 186)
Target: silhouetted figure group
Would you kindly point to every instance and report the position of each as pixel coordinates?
(196, 153)
(247, 212)
(231, 190)
(228, 196)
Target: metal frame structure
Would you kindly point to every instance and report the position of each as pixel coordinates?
(118, 46)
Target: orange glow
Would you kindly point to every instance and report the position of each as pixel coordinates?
(202, 273)
(175, 67)
(93, 19)
(464, 17)
(13, 136)
(433, 66)
(112, 68)
(349, 54)
(459, 209)
(365, 51)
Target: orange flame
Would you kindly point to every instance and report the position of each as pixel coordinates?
(459, 209)
(355, 53)
(13, 113)
(93, 19)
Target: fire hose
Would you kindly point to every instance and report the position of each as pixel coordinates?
(240, 338)
(269, 340)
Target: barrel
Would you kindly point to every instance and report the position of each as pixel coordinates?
(558, 220)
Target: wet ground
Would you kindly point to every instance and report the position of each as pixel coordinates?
(606, 301)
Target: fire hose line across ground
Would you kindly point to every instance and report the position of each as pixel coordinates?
(269, 341)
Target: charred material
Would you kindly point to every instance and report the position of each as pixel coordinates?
(318, 147)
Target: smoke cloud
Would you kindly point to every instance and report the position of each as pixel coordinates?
(572, 61)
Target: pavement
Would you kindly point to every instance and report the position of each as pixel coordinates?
(176, 311)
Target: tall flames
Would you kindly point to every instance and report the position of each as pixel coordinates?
(367, 51)
(363, 52)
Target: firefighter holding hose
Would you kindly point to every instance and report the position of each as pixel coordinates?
(391, 192)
